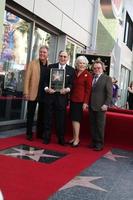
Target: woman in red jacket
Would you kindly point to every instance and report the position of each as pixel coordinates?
(79, 97)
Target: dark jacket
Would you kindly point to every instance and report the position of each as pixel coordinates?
(101, 93)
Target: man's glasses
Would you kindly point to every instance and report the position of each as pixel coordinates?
(97, 68)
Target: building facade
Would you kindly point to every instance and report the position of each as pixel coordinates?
(92, 27)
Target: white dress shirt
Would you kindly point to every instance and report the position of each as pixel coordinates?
(62, 66)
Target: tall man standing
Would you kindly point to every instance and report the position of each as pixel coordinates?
(101, 96)
(56, 101)
(34, 91)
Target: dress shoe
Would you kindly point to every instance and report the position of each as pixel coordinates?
(46, 141)
(29, 137)
(98, 148)
(62, 143)
(39, 136)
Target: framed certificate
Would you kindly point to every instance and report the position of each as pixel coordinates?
(57, 79)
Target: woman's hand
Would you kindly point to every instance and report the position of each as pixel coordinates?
(85, 106)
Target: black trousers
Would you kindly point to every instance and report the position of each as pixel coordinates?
(31, 107)
(55, 109)
(40, 120)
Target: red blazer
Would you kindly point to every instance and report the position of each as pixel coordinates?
(81, 87)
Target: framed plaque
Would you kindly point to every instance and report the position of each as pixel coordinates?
(57, 79)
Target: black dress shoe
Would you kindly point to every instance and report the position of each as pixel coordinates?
(98, 148)
(46, 141)
(39, 136)
(62, 143)
(29, 137)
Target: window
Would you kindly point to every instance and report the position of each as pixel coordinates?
(128, 34)
(72, 49)
(13, 60)
(14, 49)
(125, 74)
(40, 38)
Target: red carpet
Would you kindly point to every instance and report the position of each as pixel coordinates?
(29, 180)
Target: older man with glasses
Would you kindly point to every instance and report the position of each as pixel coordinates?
(101, 96)
(57, 99)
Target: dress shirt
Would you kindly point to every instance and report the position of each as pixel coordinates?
(62, 66)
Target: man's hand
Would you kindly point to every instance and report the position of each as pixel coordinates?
(104, 107)
(26, 96)
(49, 90)
(64, 90)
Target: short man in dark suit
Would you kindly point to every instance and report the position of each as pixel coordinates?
(56, 101)
(101, 96)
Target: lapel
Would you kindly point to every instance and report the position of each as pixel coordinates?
(56, 65)
(67, 68)
(98, 82)
(100, 78)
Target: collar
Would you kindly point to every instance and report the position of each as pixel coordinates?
(97, 75)
(42, 64)
(62, 66)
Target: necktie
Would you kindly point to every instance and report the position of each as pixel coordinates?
(61, 67)
(95, 80)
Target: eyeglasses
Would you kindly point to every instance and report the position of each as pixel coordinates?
(97, 68)
(63, 56)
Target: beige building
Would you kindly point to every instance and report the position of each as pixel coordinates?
(91, 27)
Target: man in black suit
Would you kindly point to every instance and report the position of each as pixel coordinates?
(101, 96)
(56, 101)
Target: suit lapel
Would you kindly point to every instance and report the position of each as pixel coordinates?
(100, 78)
(98, 82)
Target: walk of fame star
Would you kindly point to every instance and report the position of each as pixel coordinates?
(109, 155)
(84, 181)
(33, 153)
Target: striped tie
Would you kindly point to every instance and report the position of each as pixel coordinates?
(95, 80)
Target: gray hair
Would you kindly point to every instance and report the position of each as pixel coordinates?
(81, 59)
(63, 51)
(44, 47)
